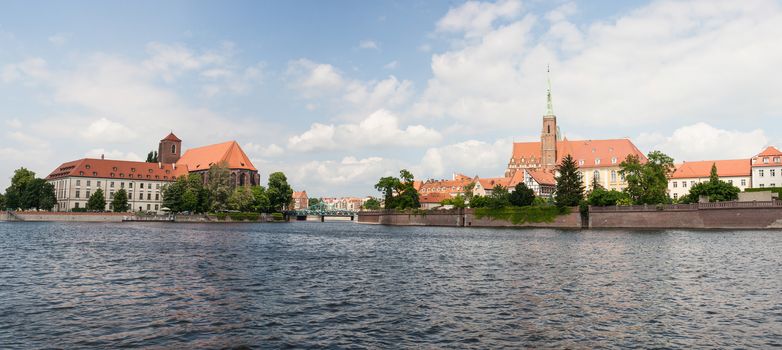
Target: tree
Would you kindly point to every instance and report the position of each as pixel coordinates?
(2, 202)
(47, 199)
(648, 183)
(601, 197)
(219, 186)
(97, 201)
(173, 194)
(371, 204)
(120, 201)
(479, 202)
(499, 197)
(522, 195)
(570, 187)
(152, 157)
(389, 186)
(314, 202)
(457, 202)
(715, 189)
(17, 196)
(241, 199)
(261, 202)
(468, 191)
(279, 192)
(399, 193)
(189, 201)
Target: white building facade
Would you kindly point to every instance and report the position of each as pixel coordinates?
(767, 168)
(735, 171)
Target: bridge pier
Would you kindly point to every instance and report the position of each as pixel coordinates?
(323, 218)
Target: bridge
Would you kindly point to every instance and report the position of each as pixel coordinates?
(320, 211)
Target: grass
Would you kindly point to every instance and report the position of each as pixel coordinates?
(520, 215)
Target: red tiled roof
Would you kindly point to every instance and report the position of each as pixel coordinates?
(702, 169)
(489, 182)
(769, 157)
(300, 194)
(609, 152)
(438, 185)
(171, 137)
(434, 197)
(115, 169)
(542, 177)
(202, 158)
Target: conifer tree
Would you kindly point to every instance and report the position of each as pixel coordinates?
(97, 201)
(570, 187)
(120, 201)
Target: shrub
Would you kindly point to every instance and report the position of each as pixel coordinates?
(519, 215)
(278, 217)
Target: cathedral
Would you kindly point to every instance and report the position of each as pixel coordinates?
(598, 160)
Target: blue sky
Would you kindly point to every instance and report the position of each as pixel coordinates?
(337, 94)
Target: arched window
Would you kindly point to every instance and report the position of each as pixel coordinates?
(173, 148)
(549, 128)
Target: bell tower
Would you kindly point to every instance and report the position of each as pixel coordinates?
(548, 136)
(170, 149)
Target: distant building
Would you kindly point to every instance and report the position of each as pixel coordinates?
(767, 168)
(75, 181)
(300, 201)
(452, 187)
(597, 159)
(433, 200)
(735, 171)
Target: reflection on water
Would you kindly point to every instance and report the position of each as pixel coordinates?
(348, 285)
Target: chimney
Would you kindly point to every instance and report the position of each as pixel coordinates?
(160, 165)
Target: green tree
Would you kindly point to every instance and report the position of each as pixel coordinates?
(715, 189)
(120, 201)
(219, 186)
(261, 202)
(152, 157)
(468, 191)
(241, 199)
(2, 202)
(173, 195)
(399, 193)
(97, 201)
(601, 197)
(371, 204)
(479, 202)
(190, 201)
(47, 199)
(457, 202)
(17, 196)
(314, 202)
(499, 197)
(389, 186)
(570, 187)
(522, 195)
(279, 192)
(648, 183)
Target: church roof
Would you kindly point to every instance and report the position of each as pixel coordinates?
(702, 169)
(115, 169)
(202, 158)
(171, 137)
(593, 153)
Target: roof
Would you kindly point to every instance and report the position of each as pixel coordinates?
(770, 156)
(171, 137)
(202, 158)
(437, 185)
(300, 194)
(702, 169)
(434, 197)
(593, 153)
(489, 182)
(542, 177)
(118, 169)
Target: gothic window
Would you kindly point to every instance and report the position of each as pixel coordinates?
(549, 128)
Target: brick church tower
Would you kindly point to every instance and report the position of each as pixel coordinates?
(548, 136)
(170, 149)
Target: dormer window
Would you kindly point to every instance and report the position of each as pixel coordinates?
(87, 166)
(114, 168)
(581, 162)
(776, 159)
(597, 161)
(150, 171)
(81, 173)
(94, 173)
(765, 160)
(613, 160)
(132, 170)
(112, 174)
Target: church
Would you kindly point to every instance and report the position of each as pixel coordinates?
(76, 180)
(598, 160)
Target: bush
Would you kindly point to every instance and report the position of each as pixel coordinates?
(519, 215)
(278, 217)
(601, 198)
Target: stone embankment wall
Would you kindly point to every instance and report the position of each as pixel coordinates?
(62, 216)
(730, 215)
(456, 218)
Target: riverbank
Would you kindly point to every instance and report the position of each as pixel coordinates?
(42, 216)
(724, 215)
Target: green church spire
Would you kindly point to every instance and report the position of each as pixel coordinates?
(549, 105)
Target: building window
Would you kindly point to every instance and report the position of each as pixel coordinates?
(114, 168)
(772, 185)
(760, 172)
(675, 195)
(765, 160)
(613, 175)
(87, 195)
(776, 159)
(684, 184)
(78, 182)
(156, 206)
(111, 184)
(149, 206)
(157, 197)
(87, 166)
(674, 184)
(141, 196)
(613, 160)
(142, 186)
(772, 172)
(762, 185)
(111, 194)
(730, 182)
(596, 175)
(597, 161)
(130, 185)
(581, 162)
(692, 183)
(121, 185)
(94, 173)
(81, 173)
(78, 194)
(149, 196)
(76, 205)
(88, 183)
(743, 182)
(98, 183)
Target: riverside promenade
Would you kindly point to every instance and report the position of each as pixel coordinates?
(721, 215)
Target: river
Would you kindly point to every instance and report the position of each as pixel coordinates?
(346, 285)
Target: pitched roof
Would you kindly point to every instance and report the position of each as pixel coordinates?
(115, 169)
(437, 185)
(434, 197)
(171, 137)
(489, 182)
(542, 177)
(608, 153)
(769, 151)
(702, 169)
(770, 156)
(202, 158)
(300, 194)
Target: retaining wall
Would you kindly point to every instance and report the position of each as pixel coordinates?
(63, 216)
(456, 218)
(728, 218)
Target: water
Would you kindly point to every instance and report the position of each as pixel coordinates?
(343, 285)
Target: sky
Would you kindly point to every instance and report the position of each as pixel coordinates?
(337, 94)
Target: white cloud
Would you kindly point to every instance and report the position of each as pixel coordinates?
(702, 141)
(14, 123)
(372, 95)
(391, 65)
(60, 39)
(470, 157)
(112, 154)
(31, 68)
(380, 128)
(666, 62)
(476, 18)
(256, 150)
(107, 131)
(314, 79)
(369, 44)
